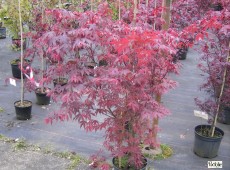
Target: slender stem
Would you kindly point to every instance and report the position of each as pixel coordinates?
(119, 161)
(42, 63)
(166, 16)
(119, 10)
(166, 4)
(135, 12)
(186, 6)
(220, 97)
(155, 6)
(59, 4)
(20, 23)
(91, 5)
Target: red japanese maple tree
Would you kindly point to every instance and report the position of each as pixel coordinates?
(214, 63)
(118, 96)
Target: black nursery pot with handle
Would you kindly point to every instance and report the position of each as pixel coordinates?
(205, 146)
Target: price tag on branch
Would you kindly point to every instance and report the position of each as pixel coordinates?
(201, 114)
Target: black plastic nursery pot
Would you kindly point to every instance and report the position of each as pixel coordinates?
(116, 167)
(2, 32)
(204, 146)
(23, 112)
(103, 63)
(60, 81)
(217, 7)
(225, 116)
(16, 72)
(91, 66)
(16, 43)
(182, 53)
(42, 98)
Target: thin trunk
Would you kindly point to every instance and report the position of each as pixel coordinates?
(166, 13)
(42, 63)
(119, 10)
(91, 5)
(119, 162)
(20, 23)
(59, 3)
(155, 6)
(147, 3)
(166, 16)
(127, 4)
(156, 120)
(220, 97)
(135, 12)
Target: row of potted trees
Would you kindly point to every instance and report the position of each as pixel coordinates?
(214, 63)
(10, 18)
(215, 67)
(115, 69)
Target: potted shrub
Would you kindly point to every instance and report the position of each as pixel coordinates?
(134, 121)
(215, 67)
(22, 107)
(184, 14)
(16, 67)
(122, 92)
(2, 31)
(42, 95)
(41, 92)
(9, 13)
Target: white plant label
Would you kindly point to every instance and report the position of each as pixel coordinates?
(201, 114)
(31, 73)
(215, 164)
(31, 77)
(13, 82)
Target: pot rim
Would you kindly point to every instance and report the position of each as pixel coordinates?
(31, 103)
(216, 129)
(40, 88)
(18, 60)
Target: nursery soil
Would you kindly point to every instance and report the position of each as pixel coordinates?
(25, 104)
(39, 90)
(60, 81)
(205, 132)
